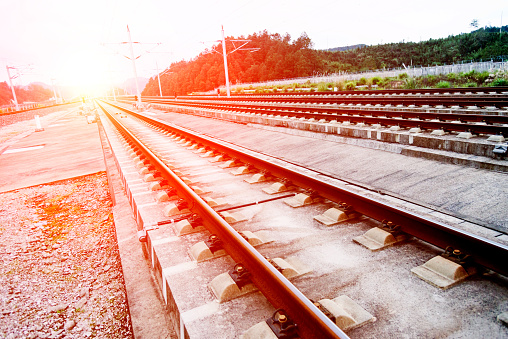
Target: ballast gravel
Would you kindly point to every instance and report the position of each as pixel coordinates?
(60, 270)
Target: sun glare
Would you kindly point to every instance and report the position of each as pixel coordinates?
(85, 71)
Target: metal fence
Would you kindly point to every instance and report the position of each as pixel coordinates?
(412, 71)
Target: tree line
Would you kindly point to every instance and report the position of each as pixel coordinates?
(32, 93)
(279, 57)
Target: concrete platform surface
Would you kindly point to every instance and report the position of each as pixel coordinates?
(68, 147)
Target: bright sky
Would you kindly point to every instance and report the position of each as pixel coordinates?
(62, 39)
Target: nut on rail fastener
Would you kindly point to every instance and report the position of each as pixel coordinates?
(391, 227)
(214, 243)
(457, 256)
(240, 275)
(282, 325)
(348, 209)
(195, 220)
(181, 204)
(274, 264)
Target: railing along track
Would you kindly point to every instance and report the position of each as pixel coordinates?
(35, 108)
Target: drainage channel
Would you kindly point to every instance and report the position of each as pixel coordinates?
(313, 252)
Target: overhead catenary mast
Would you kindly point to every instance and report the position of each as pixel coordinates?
(111, 82)
(134, 67)
(225, 53)
(12, 87)
(133, 59)
(158, 78)
(54, 90)
(225, 61)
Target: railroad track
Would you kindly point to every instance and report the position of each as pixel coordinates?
(175, 172)
(456, 97)
(458, 101)
(418, 110)
(447, 122)
(423, 91)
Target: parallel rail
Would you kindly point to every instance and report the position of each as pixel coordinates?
(420, 91)
(462, 101)
(449, 122)
(464, 97)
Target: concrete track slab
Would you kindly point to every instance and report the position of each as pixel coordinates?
(336, 263)
(471, 193)
(71, 148)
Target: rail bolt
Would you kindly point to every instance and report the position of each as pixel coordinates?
(195, 220)
(240, 275)
(182, 204)
(142, 236)
(171, 192)
(391, 227)
(281, 325)
(457, 256)
(214, 243)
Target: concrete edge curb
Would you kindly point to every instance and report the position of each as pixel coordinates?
(146, 306)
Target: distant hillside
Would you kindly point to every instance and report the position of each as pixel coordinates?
(42, 84)
(345, 48)
(278, 57)
(482, 44)
(34, 92)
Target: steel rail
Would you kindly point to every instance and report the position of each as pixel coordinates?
(406, 101)
(499, 99)
(419, 91)
(384, 118)
(490, 91)
(449, 100)
(263, 108)
(484, 252)
(279, 291)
